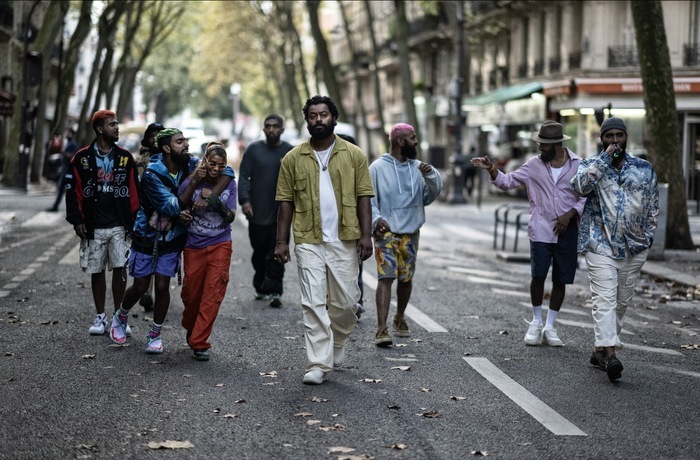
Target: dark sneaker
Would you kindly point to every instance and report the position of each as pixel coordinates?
(598, 359)
(401, 327)
(146, 301)
(260, 296)
(201, 355)
(275, 300)
(383, 338)
(360, 310)
(613, 367)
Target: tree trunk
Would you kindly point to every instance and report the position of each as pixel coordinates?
(71, 57)
(405, 64)
(358, 90)
(660, 106)
(375, 74)
(48, 32)
(323, 58)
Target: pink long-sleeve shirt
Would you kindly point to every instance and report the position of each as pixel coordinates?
(548, 199)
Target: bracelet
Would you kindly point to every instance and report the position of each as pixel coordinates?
(280, 242)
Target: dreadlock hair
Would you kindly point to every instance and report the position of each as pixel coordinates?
(320, 100)
(164, 136)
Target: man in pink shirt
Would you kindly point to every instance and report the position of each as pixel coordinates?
(553, 228)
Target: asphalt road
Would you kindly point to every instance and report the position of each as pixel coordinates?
(463, 385)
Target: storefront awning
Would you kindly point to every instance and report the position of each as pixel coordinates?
(507, 93)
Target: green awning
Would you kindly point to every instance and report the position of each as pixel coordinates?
(504, 94)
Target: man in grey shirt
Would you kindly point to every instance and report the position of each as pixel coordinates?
(256, 195)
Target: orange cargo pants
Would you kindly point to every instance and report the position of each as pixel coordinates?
(203, 290)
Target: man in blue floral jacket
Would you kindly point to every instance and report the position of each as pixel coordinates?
(617, 229)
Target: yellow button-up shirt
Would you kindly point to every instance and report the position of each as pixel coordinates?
(299, 183)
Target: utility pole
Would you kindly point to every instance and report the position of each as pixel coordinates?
(457, 195)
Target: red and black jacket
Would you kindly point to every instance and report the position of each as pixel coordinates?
(81, 188)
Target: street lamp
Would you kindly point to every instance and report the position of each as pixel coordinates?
(235, 93)
(458, 161)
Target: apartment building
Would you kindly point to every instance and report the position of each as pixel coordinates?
(527, 61)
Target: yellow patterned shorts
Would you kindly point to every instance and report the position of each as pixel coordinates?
(396, 255)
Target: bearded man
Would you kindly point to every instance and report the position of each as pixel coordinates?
(555, 209)
(403, 187)
(324, 186)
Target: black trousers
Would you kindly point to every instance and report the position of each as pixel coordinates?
(269, 273)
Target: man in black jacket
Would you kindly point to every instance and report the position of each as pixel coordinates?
(101, 203)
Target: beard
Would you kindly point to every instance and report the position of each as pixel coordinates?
(549, 154)
(182, 158)
(272, 139)
(409, 151)
(320, 131)
(623, 146)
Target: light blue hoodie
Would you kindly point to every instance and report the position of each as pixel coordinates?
(401, 192)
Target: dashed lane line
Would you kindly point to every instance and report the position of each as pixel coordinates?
(530, 403)
(412, 312)
(72, 257)
(34, 239)
(678, 371)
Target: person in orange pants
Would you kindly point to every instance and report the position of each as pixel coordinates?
(208, 250)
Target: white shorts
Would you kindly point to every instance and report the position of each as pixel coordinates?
(109, 248)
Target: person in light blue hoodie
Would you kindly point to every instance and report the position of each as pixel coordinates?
(403, 186)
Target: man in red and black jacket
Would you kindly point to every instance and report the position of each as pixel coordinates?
(101, 204)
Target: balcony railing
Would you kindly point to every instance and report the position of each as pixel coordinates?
(623, 56)
(539, 67)
(691, 54)
(522, 71)
(575, 60)
(554, 64)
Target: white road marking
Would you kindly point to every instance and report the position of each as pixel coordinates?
(9, 286)
(480, 280)
(72, 257)
(587, 325)
(28, 271)
(467, 233)
(678, 371)
(4, 294)
(663, 351)
(510, 293)
(47, 234)
(412, 312)
(530, 403)
(19, 278)
(472, 271)
(44, 219)
(563, 310)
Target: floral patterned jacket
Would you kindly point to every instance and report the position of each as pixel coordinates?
(622, 207)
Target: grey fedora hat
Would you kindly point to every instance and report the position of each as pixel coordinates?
(550, 132)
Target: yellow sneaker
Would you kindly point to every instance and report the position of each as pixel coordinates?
(401, 327)
(383, 338)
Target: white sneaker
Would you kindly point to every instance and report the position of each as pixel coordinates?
(338, 356)
(118, 330)
(99, 325)
(127, 331)
(154, 345)
(534, 333)
(314, 376)
(550, 337)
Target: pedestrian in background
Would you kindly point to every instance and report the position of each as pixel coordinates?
(66, 156)
(553, 227)
(159, 233)
(324, 186)
(207, 251)
(403, 187)
(147, 150)
(360, 284)
(101, 202)
(617, 231)
(257, 186)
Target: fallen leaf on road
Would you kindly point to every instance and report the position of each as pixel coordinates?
(479, 453)
(9, 353)
(216, 411)
(92, 447)
(156, 362)
(457, 398)
(291, 337)
(317, 399)
(271, 383)
(472, 337)
(271, 374)
(524, 444)
(219, 385)
(187, 375)
(340, 450)
(503, 332)
(170, 445)
(230, 415)
(425, 390)
(49, 322)
(430, 414)
(241, 401)
(402, 368)
(303, 414)
(394, 406)
(371, 380)
(313, 422)
(694, 346)
(334, 427)
(416, 340)
(116, 345)
(356, 457)
(88, 356)
(400, 345)
(398, 446)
